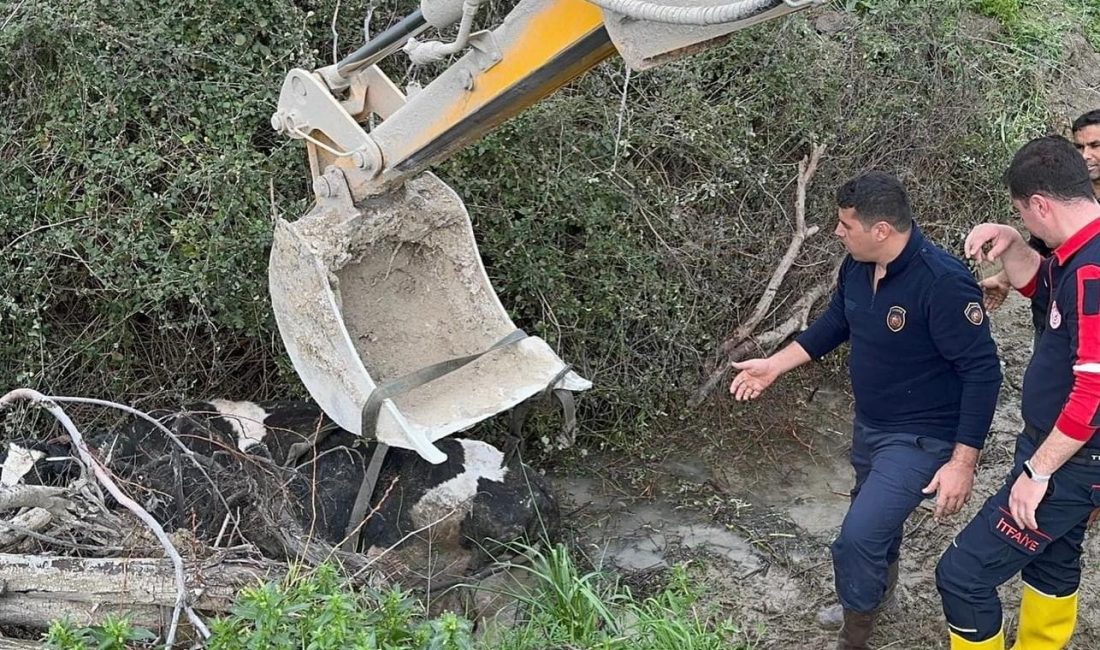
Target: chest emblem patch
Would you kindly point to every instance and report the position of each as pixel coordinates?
(1055, 316)
(895, 318)
(974, 313)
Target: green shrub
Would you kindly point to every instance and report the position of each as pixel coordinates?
(114, 633)
(141, 178)
(564, 608)
(138, 198)
(318, 612)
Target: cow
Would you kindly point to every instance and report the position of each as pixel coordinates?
(287, 466)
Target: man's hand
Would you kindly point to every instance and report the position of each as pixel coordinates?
(998, 237)
(755, 376)
(952, 484)
(995, 289)
(1024, 500)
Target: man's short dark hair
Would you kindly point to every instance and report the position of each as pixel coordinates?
(1049, 166)
(1092, 118)
(877, 196)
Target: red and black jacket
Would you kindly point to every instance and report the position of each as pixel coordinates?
(1062, 382)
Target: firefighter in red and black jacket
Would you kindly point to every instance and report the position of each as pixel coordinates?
(1035, 524)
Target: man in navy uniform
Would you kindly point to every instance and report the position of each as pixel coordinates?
(1035, 523)
(925, 374)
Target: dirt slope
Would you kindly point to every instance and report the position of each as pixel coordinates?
(756, 505)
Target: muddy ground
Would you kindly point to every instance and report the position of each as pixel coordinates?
(754, 506)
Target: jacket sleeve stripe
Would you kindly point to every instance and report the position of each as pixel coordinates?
(1081, 414)
(1028, 290)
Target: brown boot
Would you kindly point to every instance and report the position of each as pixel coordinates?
(831, 617)
(856, 630)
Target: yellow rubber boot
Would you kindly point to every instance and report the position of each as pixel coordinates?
(996, 643)
(1046, 622)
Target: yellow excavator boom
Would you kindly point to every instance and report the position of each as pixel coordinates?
(379, 292)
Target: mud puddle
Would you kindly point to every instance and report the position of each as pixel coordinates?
(754, 511)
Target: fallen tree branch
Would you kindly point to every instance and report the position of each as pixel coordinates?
(17, 644)
(30, 522)
(182, 596)
(187, 451)
(806, 170)
(743, 341)
(766, 341)
(33, 496)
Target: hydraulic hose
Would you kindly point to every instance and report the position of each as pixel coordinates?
(428, 51)
(384, 44)
(727, 13)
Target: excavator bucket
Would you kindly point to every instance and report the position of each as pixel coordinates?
(368, 296)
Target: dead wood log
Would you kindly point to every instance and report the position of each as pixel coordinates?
(19, 644)
(104, 477)
(39, 589)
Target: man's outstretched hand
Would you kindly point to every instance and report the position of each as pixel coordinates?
(755, 377)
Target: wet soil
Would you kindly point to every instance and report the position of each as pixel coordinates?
(753, 508)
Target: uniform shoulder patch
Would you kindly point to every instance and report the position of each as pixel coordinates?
(895, 318)
(974, 313)
(1090, 296)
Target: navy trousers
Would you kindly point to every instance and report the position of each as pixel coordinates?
(993, 547)
(891, 470)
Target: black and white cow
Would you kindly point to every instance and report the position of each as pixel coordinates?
(37, 463)
(455, 515)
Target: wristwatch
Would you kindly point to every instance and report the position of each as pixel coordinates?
(1034, 475)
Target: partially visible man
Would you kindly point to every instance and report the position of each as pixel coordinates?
(925, 374)
(1086, 136)
(1035, 523)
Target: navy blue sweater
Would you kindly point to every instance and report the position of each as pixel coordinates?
(922, 358)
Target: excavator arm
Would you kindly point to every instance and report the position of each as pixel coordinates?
(540, 46)
(379, 292)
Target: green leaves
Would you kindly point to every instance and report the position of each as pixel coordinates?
(562, 607)
(114, 633)
(317, 611)
(141, 176)
(142, 191)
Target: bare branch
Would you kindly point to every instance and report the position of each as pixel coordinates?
(766, 341)
(182, 596)
(743, 342)
(806, 170)
(33, 496)
(156, 423)
(29, 521)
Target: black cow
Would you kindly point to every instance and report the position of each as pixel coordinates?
(290, 454)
